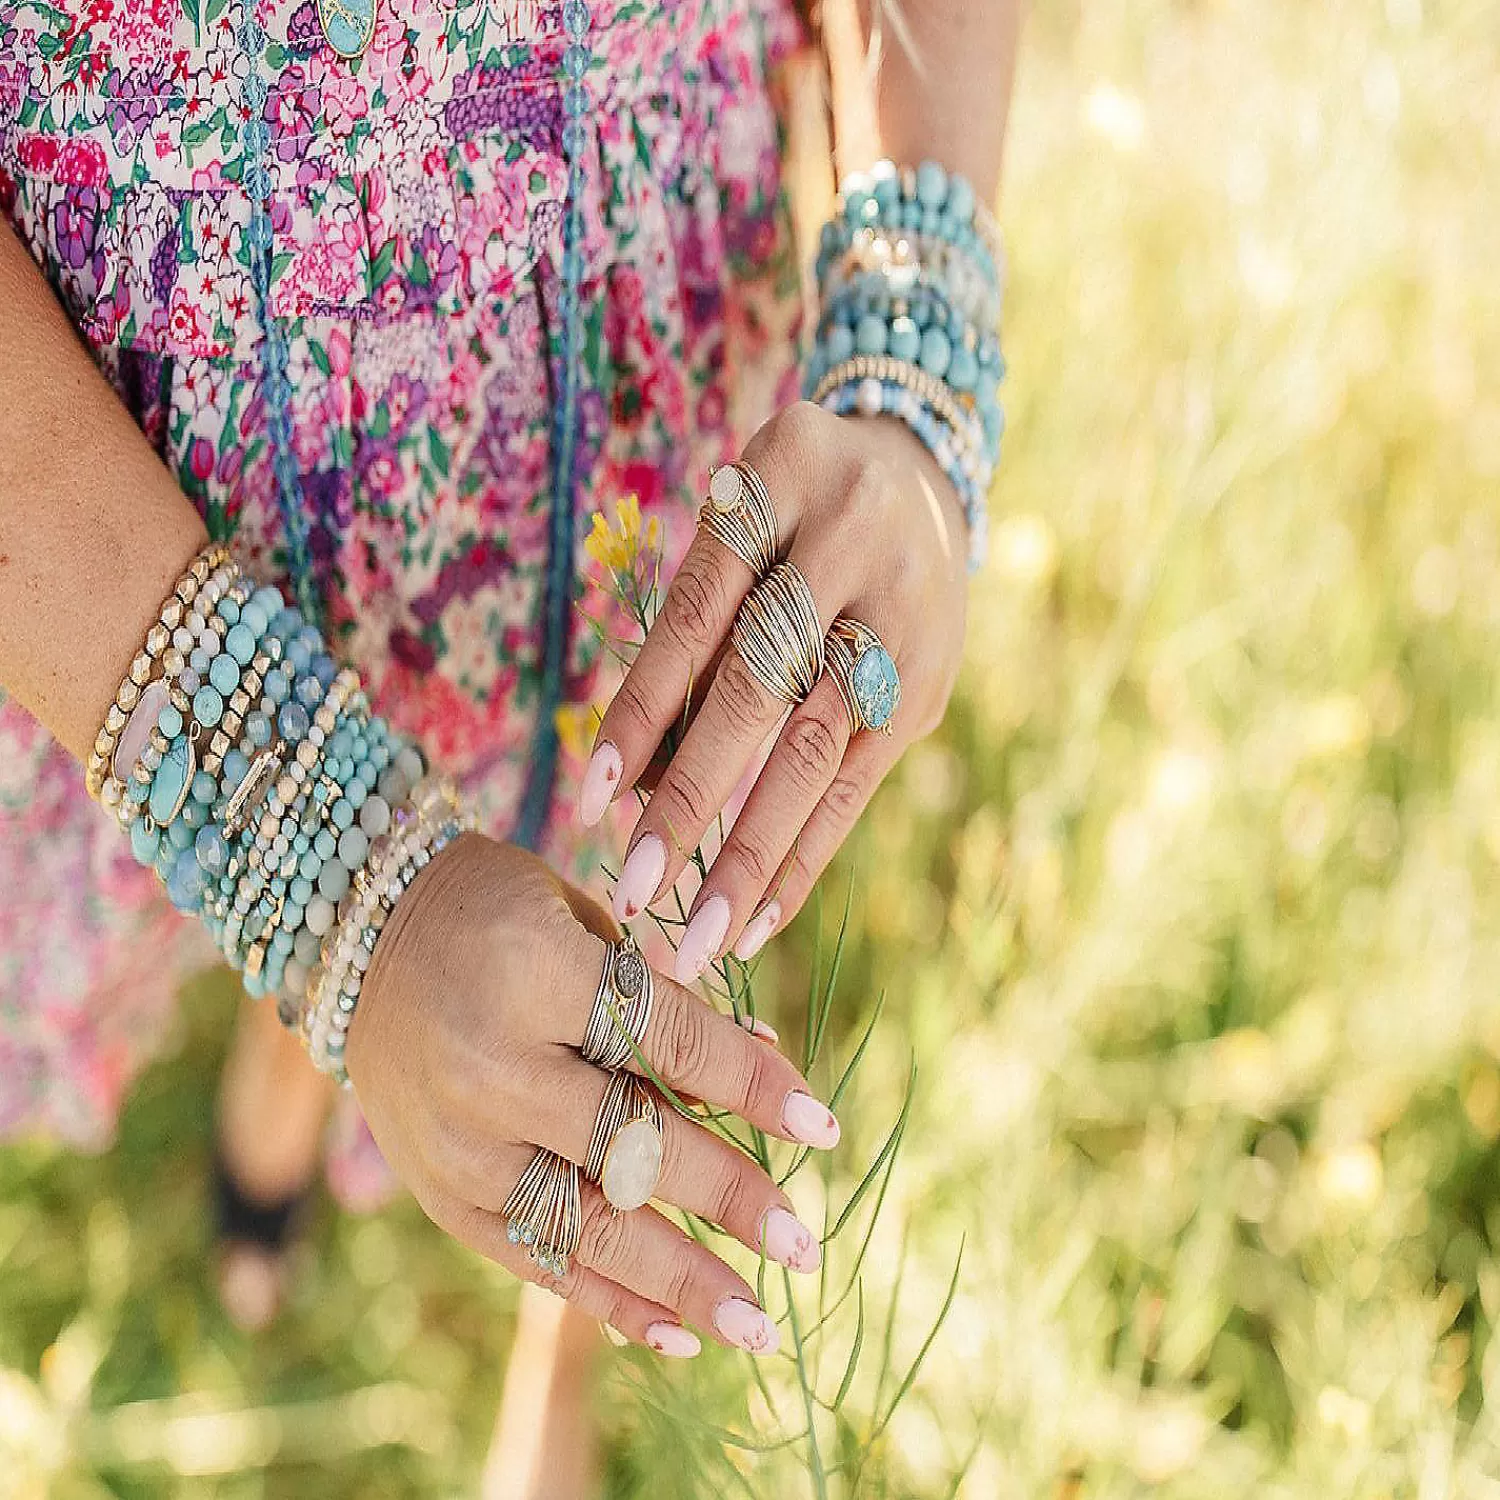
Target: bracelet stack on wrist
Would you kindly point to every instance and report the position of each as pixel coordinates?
(251, 775)
(910, 281)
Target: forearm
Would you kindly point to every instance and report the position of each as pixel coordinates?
(924, 79)
(93, 529)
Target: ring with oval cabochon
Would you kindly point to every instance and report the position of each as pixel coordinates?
(625, 1150)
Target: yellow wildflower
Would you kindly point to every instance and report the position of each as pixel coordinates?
(628, 514)
(605, 547)
(577, 723)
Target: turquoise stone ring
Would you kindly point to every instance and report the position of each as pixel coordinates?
(865, 675)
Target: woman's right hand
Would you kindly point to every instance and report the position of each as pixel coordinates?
(464, 1054)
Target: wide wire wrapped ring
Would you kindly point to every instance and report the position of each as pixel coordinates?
(625, 1150)
(777, 633)
(864, 673)
(739, 513)
(622, 1007)
(545, 1211)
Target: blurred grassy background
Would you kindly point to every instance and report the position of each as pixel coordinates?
(1190, 914)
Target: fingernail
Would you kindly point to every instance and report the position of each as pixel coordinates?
(789, 1242)
(640, 877)
(673, 1340)
(809, 1122)
(701, 942)
(746, 1326)
(756, 1027)
(753, 938)
(599, 783)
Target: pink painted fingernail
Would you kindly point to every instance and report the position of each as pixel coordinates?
(753, 938)
(789, 1242)
(756, 1027)
(673, 1340)
(640, 878)
(746, 1326)
(701, 942)
(599, 784)
(809, 1122)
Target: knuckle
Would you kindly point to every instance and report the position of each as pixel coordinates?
(686, 798)
(814, 744)
(765, 1082)
(796, 432)
(632, 710)
(685, 1042)
(871, 492)
(678, 1277)
(733, 1200)
(695, 607)
(742, 697)
(604, 1232)
(751, 863)
(845, 797)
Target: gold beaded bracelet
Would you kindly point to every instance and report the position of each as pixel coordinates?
(103, 785)
(956, 412)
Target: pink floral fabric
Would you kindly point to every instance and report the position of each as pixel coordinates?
(417, 207)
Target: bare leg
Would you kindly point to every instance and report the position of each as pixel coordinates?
(271, 1110)
(545, 1443)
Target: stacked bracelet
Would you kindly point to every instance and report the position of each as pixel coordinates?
(910, 279)
(252, 776)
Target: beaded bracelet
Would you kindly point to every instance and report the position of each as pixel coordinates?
(100, 777)
(433, 819)
(253, 777)
(910, 282)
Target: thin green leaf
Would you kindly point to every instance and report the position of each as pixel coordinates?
(859, 1340)
(927, 1344)
(892, 1143)
(825, 1003)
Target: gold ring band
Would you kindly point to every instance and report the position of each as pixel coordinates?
(778, 635)
(545, 1211)
(739, 513)
(625, 1150)
(622, 1007)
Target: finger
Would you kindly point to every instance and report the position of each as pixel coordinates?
(636, 1317)
(649, 1259)
(694, 1049)
(696, 614)
(700, 1171)
(643, 1250)
(737, 715)
(802, 765)
(869, 760)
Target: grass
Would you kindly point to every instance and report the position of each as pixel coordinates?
(1189, 915)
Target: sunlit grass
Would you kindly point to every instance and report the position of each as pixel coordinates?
(1189, 916)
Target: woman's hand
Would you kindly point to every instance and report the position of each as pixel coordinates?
(464, 1053)
(877, 530)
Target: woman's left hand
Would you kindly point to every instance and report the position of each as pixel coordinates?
(877, 530)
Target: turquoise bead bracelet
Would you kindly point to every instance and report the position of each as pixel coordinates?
(263, 791)
(910, 283)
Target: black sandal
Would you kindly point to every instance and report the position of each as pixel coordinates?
(266, 1230)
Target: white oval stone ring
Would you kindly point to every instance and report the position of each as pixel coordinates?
(625, 1150)
(739, 513)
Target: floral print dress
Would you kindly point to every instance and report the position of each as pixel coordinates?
(417, 201)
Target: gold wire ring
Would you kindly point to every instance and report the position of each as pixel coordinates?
(545, 1211)
(739, 513)
(778, 635)
(625, 1150)
(622, 1007)
(864, 673)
